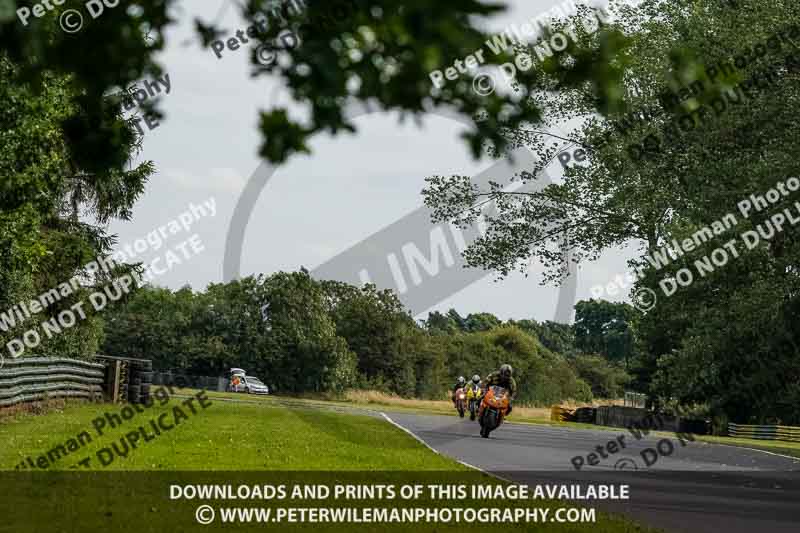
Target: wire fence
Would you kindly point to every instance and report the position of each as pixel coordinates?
(219, 384)
(635, 399)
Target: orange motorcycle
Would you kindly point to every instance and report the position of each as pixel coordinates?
(461, 401)
(493, 409)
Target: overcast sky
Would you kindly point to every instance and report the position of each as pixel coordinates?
(315, 206)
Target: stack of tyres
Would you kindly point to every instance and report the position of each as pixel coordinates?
(134, 385)
(147, 383)
(586, 415)
(140, 379)
(124, 380)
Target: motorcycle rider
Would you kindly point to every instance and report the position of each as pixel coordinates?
(503, 378)
(475, 385)
(460, 384)
(474, 394)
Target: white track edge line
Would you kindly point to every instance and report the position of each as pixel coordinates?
(437, 452)
(796, 459)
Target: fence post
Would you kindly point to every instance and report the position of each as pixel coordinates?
(115, 386)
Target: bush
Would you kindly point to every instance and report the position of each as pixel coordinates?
(555, 381)
(543, 378)
(606, 379)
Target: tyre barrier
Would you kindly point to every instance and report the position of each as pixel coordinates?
(625, 417)
(134, 380)
(30, 379)
(782, 433)
(586, 415)
(695, 426)
(140, 378)
(560, 414)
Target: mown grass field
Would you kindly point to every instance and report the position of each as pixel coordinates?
(252, 443)
(225, 437)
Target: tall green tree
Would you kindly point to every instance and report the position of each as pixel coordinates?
(481, 322)
(376, 327)
(607, 380)
(680, 184)
(556, 337)
(439, 323)
(302, 345)
(54, 205)
(606, 328)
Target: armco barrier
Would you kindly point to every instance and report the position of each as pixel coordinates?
(30, 379)
(783, 433)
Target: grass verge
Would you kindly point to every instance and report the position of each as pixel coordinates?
(527, 415)
(225, 436)
(379, 401)
(252, 444)
(775, 446)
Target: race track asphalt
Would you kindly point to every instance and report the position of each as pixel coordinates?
(690, 487)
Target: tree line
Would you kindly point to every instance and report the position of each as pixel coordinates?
(302, 335)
